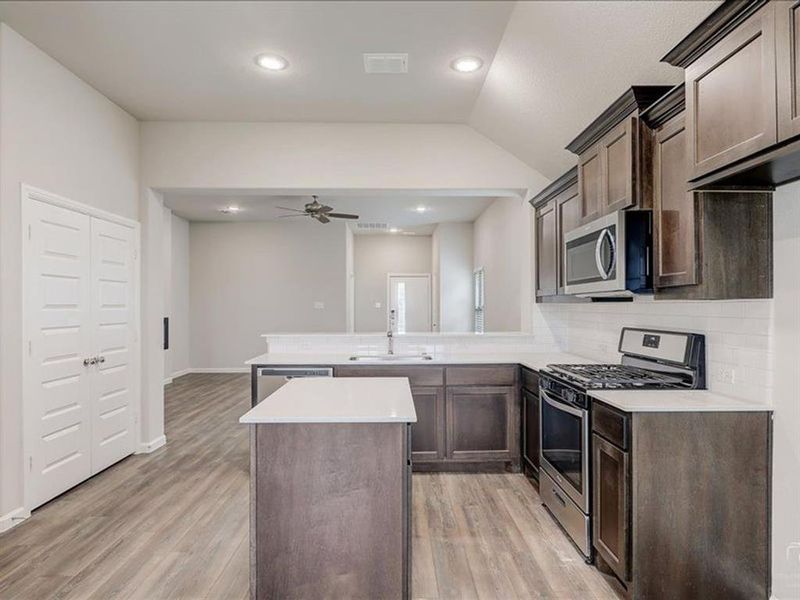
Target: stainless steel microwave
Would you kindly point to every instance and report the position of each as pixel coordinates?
(611, 256)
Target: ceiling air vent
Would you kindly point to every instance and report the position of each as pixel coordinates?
(382, 62)
(372, 226)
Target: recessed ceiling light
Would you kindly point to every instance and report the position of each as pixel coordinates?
(467, 64)
(230, 210)
(271, 62)
(393, 230)
(421, 209)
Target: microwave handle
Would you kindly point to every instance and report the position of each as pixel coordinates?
(598, 254)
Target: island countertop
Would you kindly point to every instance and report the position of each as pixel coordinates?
(337, 400)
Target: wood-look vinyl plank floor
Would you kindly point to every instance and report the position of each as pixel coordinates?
(174, 524)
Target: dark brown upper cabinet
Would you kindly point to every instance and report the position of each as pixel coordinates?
(742, 111)
(730, 100)
(676, 256)
(546, 264)
(557, 212)
(613, 155)
(787, 29)
(708, 245)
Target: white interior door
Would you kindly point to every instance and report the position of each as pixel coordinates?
(58, 313)
(113, 328)
(409, 303)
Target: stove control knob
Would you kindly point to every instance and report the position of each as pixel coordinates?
(570, 395)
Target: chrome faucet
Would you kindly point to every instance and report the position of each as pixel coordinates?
(390, 337)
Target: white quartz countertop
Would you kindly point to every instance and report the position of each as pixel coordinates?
(674, 401)
(334, 400)
(532, 360)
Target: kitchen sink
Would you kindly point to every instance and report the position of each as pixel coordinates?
(390, 357)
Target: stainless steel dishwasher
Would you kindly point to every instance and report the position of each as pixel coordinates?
(265, 380)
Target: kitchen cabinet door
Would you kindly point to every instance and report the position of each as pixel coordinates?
(616, 153)
(611, 513)
(674, 219)
(590, 184)
(427, 434)
(546, 250)
(787, 35)
(731, 96)
(480, 422)
(530, 429)
(568, 218)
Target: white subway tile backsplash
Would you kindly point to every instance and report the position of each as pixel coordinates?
(738, 335)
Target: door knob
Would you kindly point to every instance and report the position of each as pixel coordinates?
(102, 359)
(89, 361)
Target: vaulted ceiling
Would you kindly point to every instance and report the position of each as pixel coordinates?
(550, 67)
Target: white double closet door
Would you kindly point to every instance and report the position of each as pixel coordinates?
(81, 364)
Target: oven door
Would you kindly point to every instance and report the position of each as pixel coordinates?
(594, 257)
(564, 447)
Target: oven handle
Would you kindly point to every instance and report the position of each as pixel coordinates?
(561, 406)
(598, 256)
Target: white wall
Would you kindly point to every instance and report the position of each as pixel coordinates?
(247, 279)
(61, 135)
(354, 156)
(179, 297)
(453, 264)
(501, 242)
(350, 282)
(374, 256)
(786, 396)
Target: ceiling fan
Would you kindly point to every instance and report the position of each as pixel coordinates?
(318, 211)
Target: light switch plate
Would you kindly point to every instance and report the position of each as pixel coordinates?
(377, 305)
(319, 305)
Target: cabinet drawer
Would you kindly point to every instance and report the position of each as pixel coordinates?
(482, 375)
(417, 376)
(530, 380)
(612, 425)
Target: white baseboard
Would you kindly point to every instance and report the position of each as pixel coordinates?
(180, 373)
(13, 518)
(147, 447)
(222, 370)
(168, 380)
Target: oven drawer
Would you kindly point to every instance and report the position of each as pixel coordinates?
(566, 512)
(611, 424)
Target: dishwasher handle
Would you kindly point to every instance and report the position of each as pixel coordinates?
(293, 372)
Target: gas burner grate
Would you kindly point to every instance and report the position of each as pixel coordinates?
(615, 376)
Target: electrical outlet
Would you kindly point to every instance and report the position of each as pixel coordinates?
(724, 374)
(319, 305)
(377, 305)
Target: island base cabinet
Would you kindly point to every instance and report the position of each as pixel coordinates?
(330, 510)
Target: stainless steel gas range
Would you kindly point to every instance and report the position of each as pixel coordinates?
(651, 359)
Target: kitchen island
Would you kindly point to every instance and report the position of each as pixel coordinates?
(330, 489)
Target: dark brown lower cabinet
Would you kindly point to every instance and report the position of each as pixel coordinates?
(468, 416)
(427, 434)
(611, 517)
(684, 513)
(480, 421)
(530, 429)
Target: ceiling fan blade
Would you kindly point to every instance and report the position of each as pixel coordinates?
(342, 216)
(291, 209)
(322, 219)
(325, 209)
